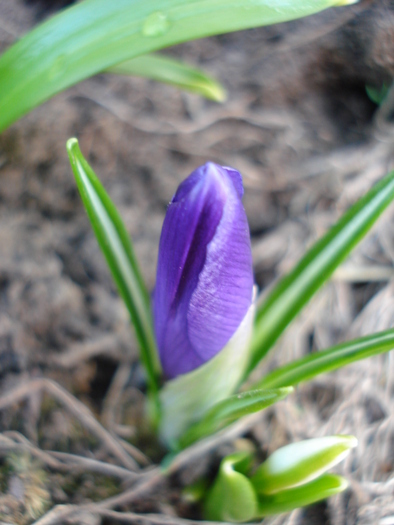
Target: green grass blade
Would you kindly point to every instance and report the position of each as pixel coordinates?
(231, 409)
(328, 360)
(173, 72)
(94, 35)
(118, 251)
(295, 290)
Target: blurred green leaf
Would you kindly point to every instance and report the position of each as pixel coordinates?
(94, 35)
(338, 356)
(195, 492)
(232, 497)
(115, 243)
(299, 463)
(231, 409)
(288, 500)
(377, 95)
(290, 295)
(173, 72)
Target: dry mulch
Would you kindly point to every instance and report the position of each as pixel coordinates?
(309, 142)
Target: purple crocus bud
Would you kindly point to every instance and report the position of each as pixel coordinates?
(204, 282)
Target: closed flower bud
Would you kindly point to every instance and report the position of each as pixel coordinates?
(204, 283)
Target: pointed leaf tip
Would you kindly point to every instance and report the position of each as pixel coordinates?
(300, 463)
(230, 410)
(92, 36)
(232, 497)
(117, 248)
(72, 144)
(74, 154)
(174, 72)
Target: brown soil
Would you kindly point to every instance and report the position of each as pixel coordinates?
(309, 142)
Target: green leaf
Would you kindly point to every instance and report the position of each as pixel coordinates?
(328, 360)
(377, 95)
(231, 409)
(232, 497)
(118, 251)
(94, 35)
(295, 289)
(173, 72)
(288, 500)
(195, 492)
(299, 463)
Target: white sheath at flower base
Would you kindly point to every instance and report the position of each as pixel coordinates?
(186, 398)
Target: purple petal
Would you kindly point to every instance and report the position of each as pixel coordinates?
(204, 276)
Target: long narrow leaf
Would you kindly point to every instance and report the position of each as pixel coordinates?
(118, 251)
(328, 360)
(288, 500)
(173, 72)
(231, 409)
(300, 462)
(94, 35)
(314, 269)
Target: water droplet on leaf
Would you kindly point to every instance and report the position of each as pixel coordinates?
(155, 24)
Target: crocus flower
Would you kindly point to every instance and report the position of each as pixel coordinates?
(204, 283)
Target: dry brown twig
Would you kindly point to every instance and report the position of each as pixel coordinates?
(111, 403)
(76, 408)
(80, 463)
(63, 512)
(16, 442)
(61, 461)
(87, 350)
(114, 393)
(135, 452)
(145, 481)
(60, 513)
(153, 519)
